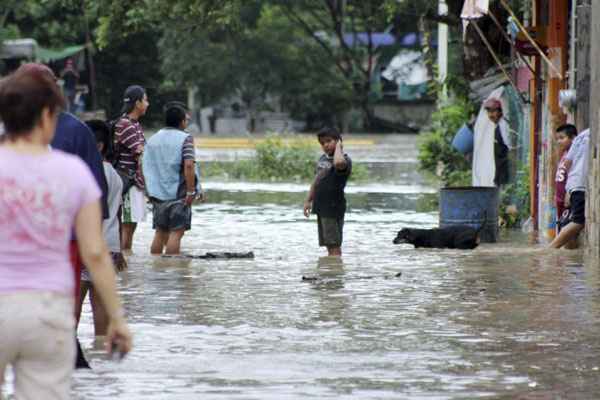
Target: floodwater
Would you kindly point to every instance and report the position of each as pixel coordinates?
(506, 321)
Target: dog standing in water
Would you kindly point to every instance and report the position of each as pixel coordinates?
(453, 237)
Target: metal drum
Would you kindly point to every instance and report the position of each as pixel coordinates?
(473, 206)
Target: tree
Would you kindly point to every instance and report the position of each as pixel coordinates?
(476, 59)
(123, 60)
(345, 30)
(269, 58)
(327, 23)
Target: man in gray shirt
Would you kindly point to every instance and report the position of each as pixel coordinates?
(577, 164)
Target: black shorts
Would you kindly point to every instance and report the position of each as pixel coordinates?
(331, 231)
(171, 215)
(578, 207)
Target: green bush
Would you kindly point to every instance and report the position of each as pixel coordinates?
(278, 159)
(437, 157)
(284, 160)
(515, 199)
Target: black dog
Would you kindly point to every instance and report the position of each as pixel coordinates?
(453, 237)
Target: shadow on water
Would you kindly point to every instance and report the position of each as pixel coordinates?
(505, 321)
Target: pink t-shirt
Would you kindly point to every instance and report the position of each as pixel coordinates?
(40, 195)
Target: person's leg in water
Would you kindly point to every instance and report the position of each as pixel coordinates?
(577, 223)
(174, 242)
(127, 231)
(161, 237)
(98, 312)
(331, 234)
(334, 251)
(566, 234)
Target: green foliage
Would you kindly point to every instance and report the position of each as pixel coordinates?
(437, 157)
(255, 47)
(514, 199)
(278, 159)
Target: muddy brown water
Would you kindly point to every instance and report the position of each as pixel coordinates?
(505, 321)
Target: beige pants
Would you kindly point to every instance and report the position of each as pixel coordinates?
(37, 338)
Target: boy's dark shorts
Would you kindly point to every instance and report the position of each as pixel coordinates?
(578, 207)
(330, 231)
(171, 215)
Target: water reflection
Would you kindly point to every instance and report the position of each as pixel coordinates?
(332, 301)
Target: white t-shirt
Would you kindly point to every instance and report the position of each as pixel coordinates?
(578, 155)
(110, 226)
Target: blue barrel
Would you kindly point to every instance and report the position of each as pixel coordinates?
(463, 140)
(473, 206)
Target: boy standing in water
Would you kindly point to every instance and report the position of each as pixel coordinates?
(326, 195)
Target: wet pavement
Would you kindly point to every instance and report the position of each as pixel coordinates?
(505, 321)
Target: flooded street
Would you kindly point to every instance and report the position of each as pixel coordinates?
(505, 321)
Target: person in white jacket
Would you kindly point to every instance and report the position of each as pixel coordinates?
(491, 147)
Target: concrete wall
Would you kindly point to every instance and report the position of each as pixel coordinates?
(593, 194)
(231, 126)
(414, 114)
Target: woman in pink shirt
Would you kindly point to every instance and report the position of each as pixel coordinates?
(44, 195)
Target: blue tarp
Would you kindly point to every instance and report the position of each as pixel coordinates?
(412, 39)
(362, 38)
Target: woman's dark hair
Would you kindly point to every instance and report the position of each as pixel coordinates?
(23, 97)
(175, 113)
(329, 131)
(101, 131)
(132, 95)
(568, 129)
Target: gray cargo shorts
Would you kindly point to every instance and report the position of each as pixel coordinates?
(171, 215)
(330, 231)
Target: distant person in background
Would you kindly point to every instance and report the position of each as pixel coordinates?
(491, 147)
(70, 77)
(110, 227)
(79, 100)
(171, 181)
(129, 144)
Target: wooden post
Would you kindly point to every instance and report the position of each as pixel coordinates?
(557, 42)
(593, 192)
(535, 148)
